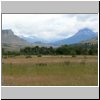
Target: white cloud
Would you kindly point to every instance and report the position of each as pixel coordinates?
(49, 27)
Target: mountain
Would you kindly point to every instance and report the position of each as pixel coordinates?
(81, 35)
(29, 39)
(91, 41)
(37, 42)
(11, 41)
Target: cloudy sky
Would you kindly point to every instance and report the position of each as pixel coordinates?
(49, 27)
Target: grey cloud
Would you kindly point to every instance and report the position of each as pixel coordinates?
(49, 27)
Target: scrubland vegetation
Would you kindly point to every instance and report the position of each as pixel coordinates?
(78, 49)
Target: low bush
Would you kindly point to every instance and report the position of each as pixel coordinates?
(73, 55)
(39, 55)
(28, 56)
(5, 57)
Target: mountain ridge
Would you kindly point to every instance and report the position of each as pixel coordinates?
(81, 35)
(9, 39)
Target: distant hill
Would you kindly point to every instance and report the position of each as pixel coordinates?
(81, 35)
(91, 41)
(35, 41)
(39, 43)
(11, 41)
(29, 39)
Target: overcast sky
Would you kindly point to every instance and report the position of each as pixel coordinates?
(49, 27)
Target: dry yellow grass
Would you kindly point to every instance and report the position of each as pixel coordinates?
(49, 59)
(50, 71)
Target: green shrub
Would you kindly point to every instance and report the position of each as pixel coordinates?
(12, 56)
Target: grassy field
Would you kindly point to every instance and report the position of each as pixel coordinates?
(50, 71)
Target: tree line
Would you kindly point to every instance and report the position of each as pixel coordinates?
(78, 49)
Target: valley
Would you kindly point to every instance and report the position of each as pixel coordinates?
(67, 62)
